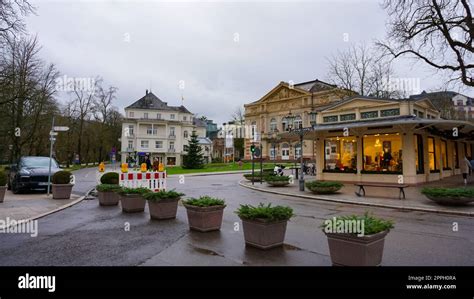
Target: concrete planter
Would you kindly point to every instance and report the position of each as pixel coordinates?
(2, 193)
(62, 191)
(108, 198)
(205, 219)
(278, 183)
(163, 209)
(264, 235)
(255, 179)
(350, 250)
(451, 201)
(132, 203)
(324, 190)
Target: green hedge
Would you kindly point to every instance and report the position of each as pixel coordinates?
(111, 178)
(125, 191)
(3, 178)
(277, 178)
(448, 192)
(204, 201)
(265, 213)
(108, 188)
(319, 187)
(62, 177)
(162, 195)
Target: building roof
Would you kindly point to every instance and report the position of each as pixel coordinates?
(199, 122)
(314, 85)
(204, 140)
(442, 95)
(152, 102)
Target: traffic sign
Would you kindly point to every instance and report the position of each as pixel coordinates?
(53, 133)
(61, 129)
(257, 152)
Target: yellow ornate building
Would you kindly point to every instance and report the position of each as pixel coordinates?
(356, 138)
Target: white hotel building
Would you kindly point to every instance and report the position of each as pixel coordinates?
(153, 128)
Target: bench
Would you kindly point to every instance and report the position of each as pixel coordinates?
(361, 186)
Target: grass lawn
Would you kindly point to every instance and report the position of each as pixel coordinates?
(217, 167)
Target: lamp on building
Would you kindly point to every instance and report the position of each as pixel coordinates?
(312, 118)
(300, 131)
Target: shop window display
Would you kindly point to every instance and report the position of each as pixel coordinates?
(383, 153)
(340, 154)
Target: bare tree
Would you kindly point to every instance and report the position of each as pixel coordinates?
(11, 16)
(439, 33)
(238, 115)
(363, 70)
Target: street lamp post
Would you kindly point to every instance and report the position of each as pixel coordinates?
(300, 131)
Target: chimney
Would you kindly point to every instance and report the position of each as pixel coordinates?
(146, 91)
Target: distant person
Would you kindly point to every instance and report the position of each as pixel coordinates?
(148, 163)
(465, 166)
(156, 164)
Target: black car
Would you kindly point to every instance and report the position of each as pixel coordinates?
(30, 173)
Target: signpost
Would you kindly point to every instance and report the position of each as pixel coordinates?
(54, 132)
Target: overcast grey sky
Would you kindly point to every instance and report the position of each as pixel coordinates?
(227, 53)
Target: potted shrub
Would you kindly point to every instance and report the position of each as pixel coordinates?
(449, 196)
(358, 247)
(277, 180)
(204, 213)
(319, 187)
(163, 204)
(3, 184)
(132, 200)
(61, 185)
(256, 177)
(264, 226)
(107, 190)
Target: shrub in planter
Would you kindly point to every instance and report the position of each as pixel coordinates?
(204, 213)
(3, 184)
(111, 178)
(449, 196)
(356, 240)
(319, 187)
(163, 204)
(264, 226)
(61, 185)
(277, 180)
(132, 200)
(256, 177)
(108, 195)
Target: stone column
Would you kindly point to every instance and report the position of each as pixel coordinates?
(408, 158)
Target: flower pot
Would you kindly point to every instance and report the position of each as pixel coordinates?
(278, 183)
(2, 193)
(163, 209)
(350, 250)
(451, 201)
(62, 191)
(256, 178)
(132, 203)
(264, 235)
(205, 219)
(108, 198)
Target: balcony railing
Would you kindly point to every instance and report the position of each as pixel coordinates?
(172, 136)
(171, 150)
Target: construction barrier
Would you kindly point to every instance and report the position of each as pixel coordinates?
(155, 181)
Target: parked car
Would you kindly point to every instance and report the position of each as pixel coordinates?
(30, 173)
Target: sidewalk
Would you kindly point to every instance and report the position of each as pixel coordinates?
(32, 206)
(378, 197)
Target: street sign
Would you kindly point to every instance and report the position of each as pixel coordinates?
(257, 152)
(61, 129)
(53, 133)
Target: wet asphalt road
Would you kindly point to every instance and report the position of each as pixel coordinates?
(87, 234)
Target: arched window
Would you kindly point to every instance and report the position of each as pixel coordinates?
(185, 134)
(285, 151)
(273, 125)
(297, 150)
(298, 124)
(284, 124)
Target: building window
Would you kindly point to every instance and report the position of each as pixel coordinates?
(369, 114)
(390, 112)
(383, 153)
(172, 131)
(151, 131)
(158, 144)
(171, 161)
(273, 125)
(421, 114)
(158, 116)
(284, 124)
(346, 117)
(172, 116)
(460, 103)
(129, 131)
(171, 145)
(184, 118)
(285, 151)
(298, 150)
(444, 154)
(144, 144)
(432, 154)
(330, 119)
(298, 123)
(340, 154)
(145, 115)
(130, 114)
(273, 152)
(254, 128)
(130, 144)
(456, 157)
(185, 134)
(419, 158)
(185, 147)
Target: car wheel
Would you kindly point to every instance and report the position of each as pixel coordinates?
(9, 185)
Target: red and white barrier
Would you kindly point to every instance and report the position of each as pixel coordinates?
(154, 181)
